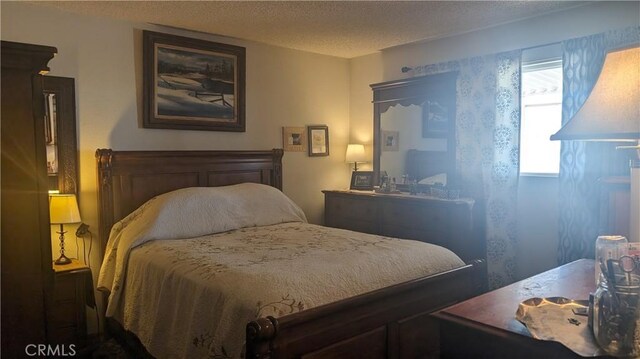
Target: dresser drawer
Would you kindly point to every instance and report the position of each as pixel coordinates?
(370, 227)
(65, 288)
(64, 314)
(352, 209)
(355, 214)
(433, 219)
(422, 235)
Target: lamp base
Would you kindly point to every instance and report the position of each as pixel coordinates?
(62, 260)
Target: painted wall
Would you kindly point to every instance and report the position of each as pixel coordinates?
(538, 207)
(363, 71)
(283, 88)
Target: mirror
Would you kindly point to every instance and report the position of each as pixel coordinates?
(60, 133)
(400, 130)
(414, 129)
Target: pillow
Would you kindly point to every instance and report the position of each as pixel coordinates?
(197, 211)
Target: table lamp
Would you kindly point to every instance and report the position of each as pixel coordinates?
(355, 154)
(612, 113)
(63, 209)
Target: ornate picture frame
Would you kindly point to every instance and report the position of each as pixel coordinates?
(294, 139)
(192, 84)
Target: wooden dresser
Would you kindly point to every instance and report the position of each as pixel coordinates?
(454, 224)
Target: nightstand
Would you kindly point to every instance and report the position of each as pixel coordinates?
(67, 314)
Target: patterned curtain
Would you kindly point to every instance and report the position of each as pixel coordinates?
(582, 61)
(487, 142)
(582, 163)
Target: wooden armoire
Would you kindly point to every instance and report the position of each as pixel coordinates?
(27, 274)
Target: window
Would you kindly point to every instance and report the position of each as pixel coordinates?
(541, 116)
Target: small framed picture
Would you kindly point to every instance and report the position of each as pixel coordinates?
(390, 140)
(362, 180)
(294, 139)
(318, 140)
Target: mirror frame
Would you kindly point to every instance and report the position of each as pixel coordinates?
(64, 89)
(413, 91)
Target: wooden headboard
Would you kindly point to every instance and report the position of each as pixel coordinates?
(423, 164)
(127, 179)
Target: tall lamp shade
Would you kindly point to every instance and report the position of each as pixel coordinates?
(355, 154)
(612, 110)
(612, 113)
(63, 209)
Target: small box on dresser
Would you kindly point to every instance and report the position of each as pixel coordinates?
(67, 313)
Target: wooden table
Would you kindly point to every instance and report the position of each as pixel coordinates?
(485, 326)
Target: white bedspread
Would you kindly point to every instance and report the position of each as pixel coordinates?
(192, 298)
(188, 213)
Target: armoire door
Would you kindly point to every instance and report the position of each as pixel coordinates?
(27, 273)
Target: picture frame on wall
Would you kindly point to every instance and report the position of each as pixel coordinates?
(436, 120)
(361, 180)
(390, 141)
(294, 139)
(318, 136)
(192, 84)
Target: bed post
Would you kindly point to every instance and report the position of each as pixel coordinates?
(105, 195)
(480, 282)
(260, 333)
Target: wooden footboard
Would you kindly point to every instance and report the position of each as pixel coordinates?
(393, 322)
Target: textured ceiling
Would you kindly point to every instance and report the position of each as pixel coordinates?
(339, 28)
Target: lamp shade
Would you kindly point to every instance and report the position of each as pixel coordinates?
(612, 110)
(355, 154)
(63, 209)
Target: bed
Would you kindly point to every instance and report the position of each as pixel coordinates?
(390, 321)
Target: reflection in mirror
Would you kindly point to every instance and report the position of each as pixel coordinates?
(60, 133)
(50, 135)
(400, 128)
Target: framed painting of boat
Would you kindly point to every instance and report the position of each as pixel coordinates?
(192, 84)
